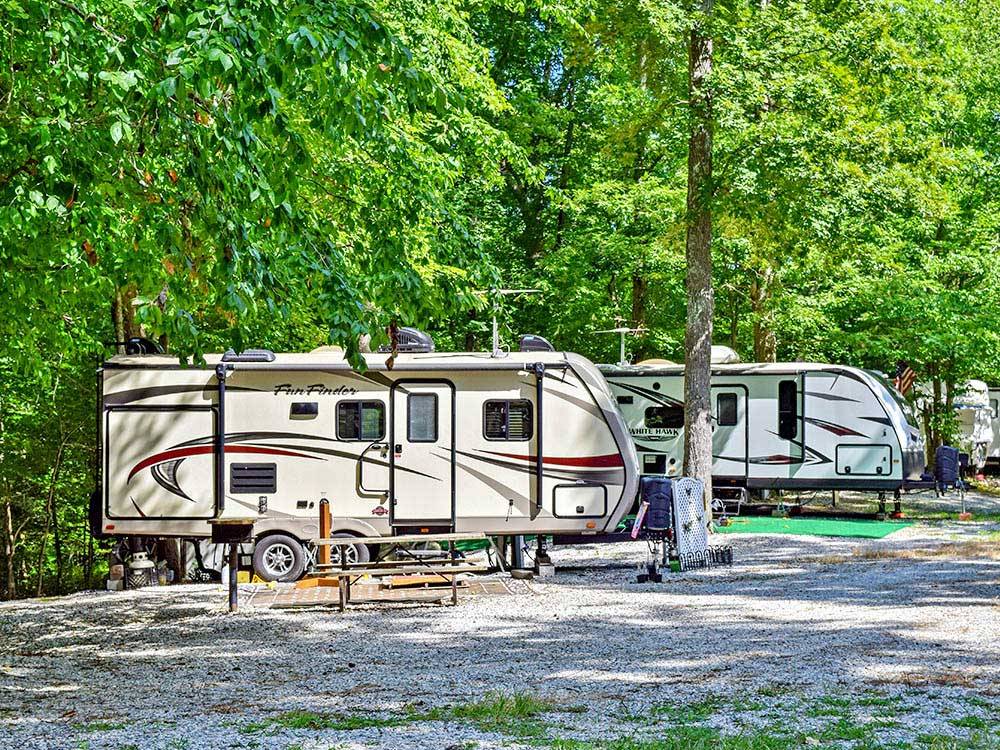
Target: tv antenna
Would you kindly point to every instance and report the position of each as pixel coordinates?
(622, 332)
(497, 293)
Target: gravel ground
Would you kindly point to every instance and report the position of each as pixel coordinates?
(826, 641)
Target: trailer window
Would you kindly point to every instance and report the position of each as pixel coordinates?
(726, 409)
(421, 418)
(788, 409)
(665, 417)
(995, 407)
(507, 420)
(360, 420)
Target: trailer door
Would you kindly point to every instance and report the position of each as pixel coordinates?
(422, 459)
(730, 431)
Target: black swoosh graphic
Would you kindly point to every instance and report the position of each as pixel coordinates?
(138, 394)
(651, 395)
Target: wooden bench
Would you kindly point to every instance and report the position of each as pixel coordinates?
(447, 566)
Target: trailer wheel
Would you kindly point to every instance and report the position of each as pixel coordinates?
(358, 553)
(279, 557)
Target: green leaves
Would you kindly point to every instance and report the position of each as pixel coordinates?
(232, 162)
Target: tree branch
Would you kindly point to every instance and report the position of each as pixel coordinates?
(91, 19)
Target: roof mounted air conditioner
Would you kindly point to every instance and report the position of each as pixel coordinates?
(531, 342)
(410, 341)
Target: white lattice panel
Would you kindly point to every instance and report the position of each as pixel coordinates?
(690, 517)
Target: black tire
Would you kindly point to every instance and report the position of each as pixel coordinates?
(358, 553)
(279, 557)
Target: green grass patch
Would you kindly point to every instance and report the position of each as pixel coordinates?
(970, 722)
(691, 738)
(518, 714)
(845, 729)
(979, 702)
(876, 700)
(747, 706)
(515, 713)
(335, 722)
(830, 705)
(100, 726)
(893, 705)
(688, 713)
(975, 741)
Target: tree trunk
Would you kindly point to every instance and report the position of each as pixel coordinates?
(639, 289)
(765, 344)
(698, 281)
(734, 319)
(470, 335)
(57, 544)
(935, 413)
(88, 569)
(123, 316)
(9, 540)
(51, 520)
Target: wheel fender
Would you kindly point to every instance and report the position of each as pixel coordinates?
(355, 527)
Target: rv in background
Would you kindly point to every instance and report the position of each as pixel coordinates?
(993, 455)
(530, 442)
(793, 426)
(976, 413)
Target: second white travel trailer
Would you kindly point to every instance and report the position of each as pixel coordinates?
(993, 455)
(793, 426)
(976, 412)
(527, 443)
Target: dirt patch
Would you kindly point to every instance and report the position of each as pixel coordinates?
(982, 549)
(923, 679)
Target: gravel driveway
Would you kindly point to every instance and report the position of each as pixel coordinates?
(801, 635)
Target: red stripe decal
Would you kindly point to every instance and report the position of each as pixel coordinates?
(202, 449)
(596, 462)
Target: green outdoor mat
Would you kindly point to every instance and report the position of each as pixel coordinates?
(812, 526)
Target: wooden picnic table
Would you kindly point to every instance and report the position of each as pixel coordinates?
(350, 572)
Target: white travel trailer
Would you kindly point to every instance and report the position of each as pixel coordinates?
(794, 426)
(993, 455)
(975, 408)
(530, 442)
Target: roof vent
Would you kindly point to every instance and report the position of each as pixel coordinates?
(410, 341)
(530, 342)
(249, 355)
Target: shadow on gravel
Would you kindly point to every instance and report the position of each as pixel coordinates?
(781, 620)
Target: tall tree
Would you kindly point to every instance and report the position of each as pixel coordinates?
(698, 252)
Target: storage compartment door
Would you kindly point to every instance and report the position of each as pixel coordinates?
(159, 463)
(580, 500)
(864, 460)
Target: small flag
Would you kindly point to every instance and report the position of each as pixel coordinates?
(904, 377)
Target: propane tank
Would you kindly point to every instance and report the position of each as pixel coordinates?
(140, 571)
